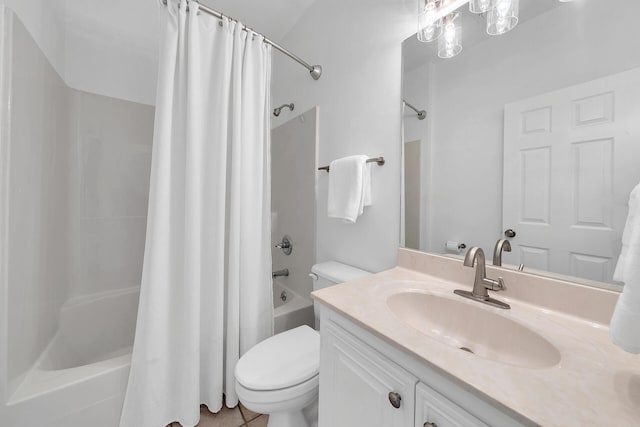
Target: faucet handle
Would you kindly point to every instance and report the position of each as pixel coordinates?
(494, 285)
(285, 245)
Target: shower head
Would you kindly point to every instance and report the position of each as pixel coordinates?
(276, 111)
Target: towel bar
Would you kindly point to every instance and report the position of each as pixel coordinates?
(379, 160)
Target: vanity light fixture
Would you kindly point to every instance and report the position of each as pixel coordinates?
(429, 25)
(450, 43)
(503, 17)
(480, 6)
(439, 20)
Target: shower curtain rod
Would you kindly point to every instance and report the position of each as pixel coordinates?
(314, 70)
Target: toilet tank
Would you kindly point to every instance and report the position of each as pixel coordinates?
(331, 273)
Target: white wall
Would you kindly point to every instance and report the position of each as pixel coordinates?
(358, 43)
(468, 93)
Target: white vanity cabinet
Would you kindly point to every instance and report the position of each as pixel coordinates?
(364, 381)
(358, 387)
(434, 410)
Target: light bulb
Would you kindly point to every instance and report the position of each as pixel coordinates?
(480, 6)
(449, 45)
(503, 17)
(450, 32)
(503, 7)
(429, 28)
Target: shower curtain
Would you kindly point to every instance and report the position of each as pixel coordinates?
(206, 295)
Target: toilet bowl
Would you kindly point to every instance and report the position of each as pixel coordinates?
(279, 376)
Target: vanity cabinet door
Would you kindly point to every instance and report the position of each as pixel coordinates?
(434, 410)
(359, 387)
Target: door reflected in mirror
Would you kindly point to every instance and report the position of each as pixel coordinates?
(536, 131)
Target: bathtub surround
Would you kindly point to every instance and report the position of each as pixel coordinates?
(206, 289)
(290, 309)
(34, 198)
(73, 203)
(110, 167)
(294, 145)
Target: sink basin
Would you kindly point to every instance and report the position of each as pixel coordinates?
(471, 327)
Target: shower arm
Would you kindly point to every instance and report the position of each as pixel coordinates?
(422, 114)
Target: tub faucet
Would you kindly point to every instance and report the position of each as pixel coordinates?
(501, 245)
(279, 273)
(481, 284)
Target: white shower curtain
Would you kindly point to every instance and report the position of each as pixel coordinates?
(206, 294)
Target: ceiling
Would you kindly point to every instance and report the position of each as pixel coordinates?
(273, 18)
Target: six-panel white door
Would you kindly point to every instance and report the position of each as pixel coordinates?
(571, 158)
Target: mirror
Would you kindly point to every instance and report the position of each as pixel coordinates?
(536, 130)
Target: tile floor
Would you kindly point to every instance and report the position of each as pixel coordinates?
(229, 417)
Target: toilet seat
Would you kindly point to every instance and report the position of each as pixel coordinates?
(282, 362)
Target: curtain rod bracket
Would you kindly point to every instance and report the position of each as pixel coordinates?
(316, 72)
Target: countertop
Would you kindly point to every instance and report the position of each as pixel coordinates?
(595, 382)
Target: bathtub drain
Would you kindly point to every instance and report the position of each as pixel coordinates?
(283, 296)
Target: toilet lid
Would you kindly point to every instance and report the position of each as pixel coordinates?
(284, 360)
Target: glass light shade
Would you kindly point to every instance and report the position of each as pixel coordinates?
(480, 6)
(429, 28)
(503, 17)
(450, 43)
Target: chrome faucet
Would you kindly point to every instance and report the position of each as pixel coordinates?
(501, 245)
(481, 284)
(280, 273)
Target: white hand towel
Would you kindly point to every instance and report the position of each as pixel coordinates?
(349, 187)
(625, 323)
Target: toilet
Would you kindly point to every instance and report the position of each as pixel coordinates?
(279, 376)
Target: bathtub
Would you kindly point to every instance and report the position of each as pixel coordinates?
(81, 377)
(290, 310)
